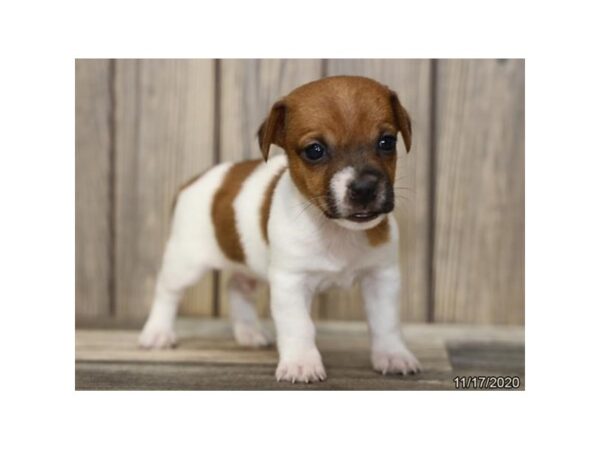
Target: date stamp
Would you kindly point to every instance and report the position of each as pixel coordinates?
(487, 382)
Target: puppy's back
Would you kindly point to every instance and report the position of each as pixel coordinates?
(222, 213)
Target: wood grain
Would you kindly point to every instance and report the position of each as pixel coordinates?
(164, 136)
(92, 188)
(209, 358)
(411, 80)
(249, 87)
(479, 220)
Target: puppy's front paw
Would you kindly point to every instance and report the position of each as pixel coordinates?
(251, 335)
(154, 336)
(397, 362)
(305, 368)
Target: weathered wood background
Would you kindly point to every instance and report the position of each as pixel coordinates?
(143, 127)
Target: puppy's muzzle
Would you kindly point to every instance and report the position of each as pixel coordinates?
(361, 196)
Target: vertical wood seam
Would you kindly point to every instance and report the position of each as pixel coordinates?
(112, 191)
(216, 276)
(324, 63)
(432, 190)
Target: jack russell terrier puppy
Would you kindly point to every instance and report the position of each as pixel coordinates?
(318, 216)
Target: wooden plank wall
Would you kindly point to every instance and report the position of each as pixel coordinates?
(164, 131)
(480, 200)
(93, 192)
(143, 127)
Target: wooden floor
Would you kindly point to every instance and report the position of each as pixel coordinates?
(208, 358)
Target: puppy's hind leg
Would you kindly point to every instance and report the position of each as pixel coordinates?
(246, 326)
(179, 271)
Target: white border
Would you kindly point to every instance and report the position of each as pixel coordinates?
(39, 42)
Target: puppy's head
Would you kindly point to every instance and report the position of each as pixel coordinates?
(340, 135)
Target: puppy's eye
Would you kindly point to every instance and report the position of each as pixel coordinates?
(387, 144)
(314, 152)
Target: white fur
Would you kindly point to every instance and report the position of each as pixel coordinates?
(339, 187)
(357, 226)
(307, 253)
(191, 250)
(246, 325)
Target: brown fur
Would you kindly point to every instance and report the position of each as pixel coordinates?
(380, 234)
(348, 115)
(265, 209)
(223, 214)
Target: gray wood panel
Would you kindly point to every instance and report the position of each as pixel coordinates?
(92, 188)
(164, 136)
(249, 87)
(411, 80)
(479, 220)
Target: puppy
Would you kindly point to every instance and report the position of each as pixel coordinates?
(318, 216)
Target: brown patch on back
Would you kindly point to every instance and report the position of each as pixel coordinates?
(223, 214)
(380, 234)
(265, 209)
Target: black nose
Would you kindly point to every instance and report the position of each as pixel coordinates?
(364, 188)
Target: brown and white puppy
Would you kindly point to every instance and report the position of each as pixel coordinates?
(318, 216)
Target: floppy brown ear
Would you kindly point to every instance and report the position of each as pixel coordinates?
(272, 129)
(402, 120)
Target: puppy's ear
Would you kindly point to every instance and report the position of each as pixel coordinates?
(272, 129)
(402, 120)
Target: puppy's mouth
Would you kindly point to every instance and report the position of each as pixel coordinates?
(363, 216)
(359, 217)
